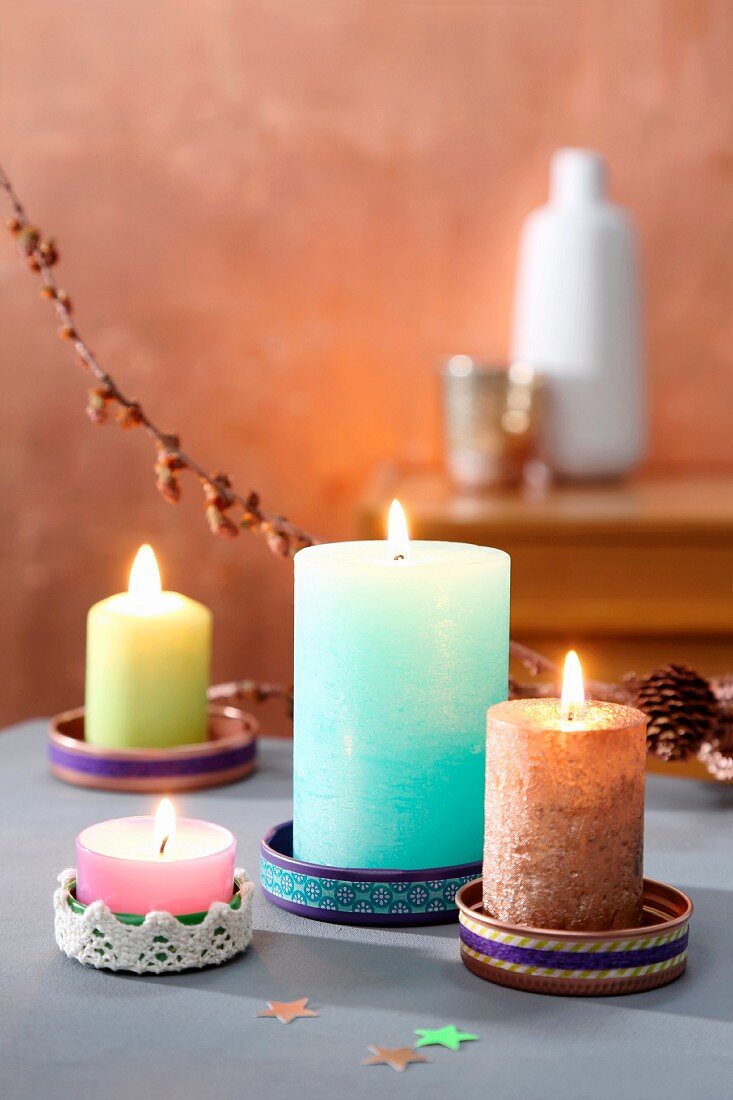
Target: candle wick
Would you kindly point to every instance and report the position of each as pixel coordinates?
(399, 557)
(163, 843)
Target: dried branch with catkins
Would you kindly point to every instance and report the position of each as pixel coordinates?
(236, 692)
(227, 511)
(688, 715)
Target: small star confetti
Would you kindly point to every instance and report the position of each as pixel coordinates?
(287, 1011)
(398, 1058)
(448, 1036)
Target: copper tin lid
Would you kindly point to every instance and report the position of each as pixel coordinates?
(229, 753)
(585, 964)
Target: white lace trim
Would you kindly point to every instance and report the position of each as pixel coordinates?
(161, 943)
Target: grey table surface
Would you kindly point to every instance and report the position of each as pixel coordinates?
(67, 1030)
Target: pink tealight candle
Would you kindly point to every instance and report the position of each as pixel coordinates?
(141, 864)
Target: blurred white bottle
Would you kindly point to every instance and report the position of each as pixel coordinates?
(577, 321)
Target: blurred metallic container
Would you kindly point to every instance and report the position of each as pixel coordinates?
(490, 421)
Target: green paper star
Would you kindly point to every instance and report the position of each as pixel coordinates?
(448, 1036)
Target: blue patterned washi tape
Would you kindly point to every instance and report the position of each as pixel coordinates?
(328, 895)
(406, 897)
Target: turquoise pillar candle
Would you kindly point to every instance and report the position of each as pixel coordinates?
(396, 662)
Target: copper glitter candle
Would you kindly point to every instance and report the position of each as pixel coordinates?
(564, 823)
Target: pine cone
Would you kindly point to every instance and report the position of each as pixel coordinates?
(681, 708)
(716, 753)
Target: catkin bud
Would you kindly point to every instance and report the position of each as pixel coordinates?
(167, 485)
(129, 416)
(28, 237)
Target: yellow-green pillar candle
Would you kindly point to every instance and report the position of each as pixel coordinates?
(148, 662)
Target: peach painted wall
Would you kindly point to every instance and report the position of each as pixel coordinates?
(273, 217)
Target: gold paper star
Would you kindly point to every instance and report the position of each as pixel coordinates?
(286, 1011)
(398, 1058)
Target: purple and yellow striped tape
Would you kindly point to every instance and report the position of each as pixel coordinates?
(559, 958)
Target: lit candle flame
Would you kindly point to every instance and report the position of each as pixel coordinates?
(165, 826)
(144, 586)
(398, 537)
(573, 690)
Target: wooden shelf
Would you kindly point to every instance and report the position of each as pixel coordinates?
(651, 507)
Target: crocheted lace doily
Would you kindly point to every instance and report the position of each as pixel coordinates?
(161, 943)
